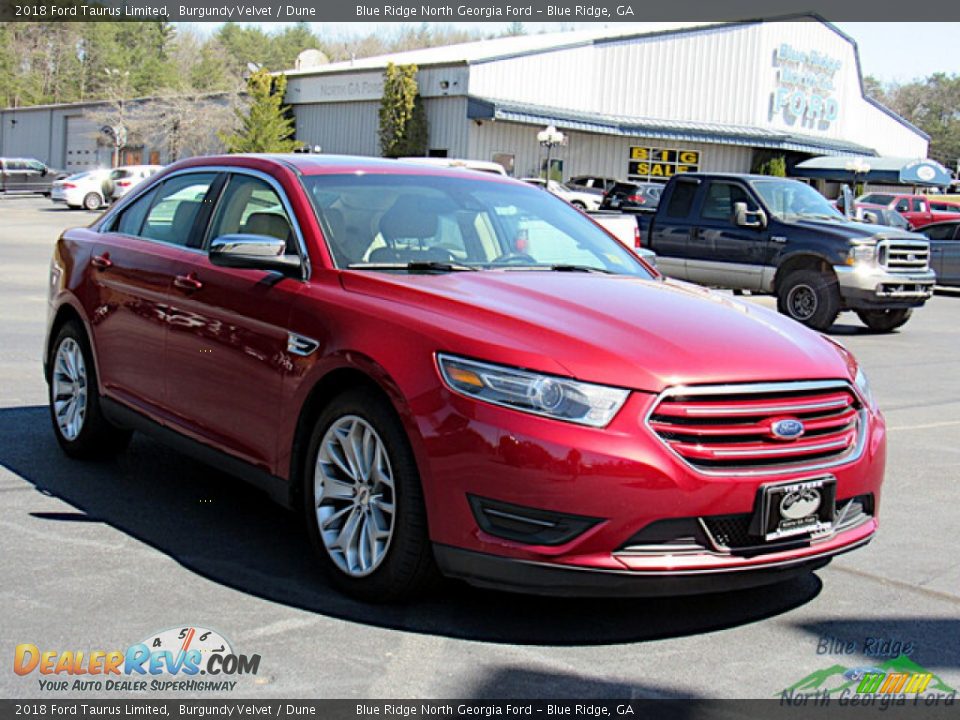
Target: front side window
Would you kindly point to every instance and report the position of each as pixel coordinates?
(392, 220)
(721, 201)
(251, 206)
(940, 232)
(903, 205)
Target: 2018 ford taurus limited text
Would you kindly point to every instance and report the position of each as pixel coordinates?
(455, 373)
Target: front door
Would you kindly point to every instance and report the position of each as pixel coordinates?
(728, 255)
(227, 348)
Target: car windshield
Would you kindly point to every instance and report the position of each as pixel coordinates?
(792, 200)
(390, 221)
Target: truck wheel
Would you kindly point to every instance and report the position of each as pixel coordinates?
(92, 201)
(78, 422)
(810, 297)
(363, 501)
(884, 320)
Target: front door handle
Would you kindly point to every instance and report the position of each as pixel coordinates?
(102, 262)
(188, 282)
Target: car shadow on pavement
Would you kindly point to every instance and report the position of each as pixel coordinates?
(511, 682)
(929, 641)
(222, 529)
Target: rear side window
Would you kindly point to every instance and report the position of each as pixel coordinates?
(681, 200)
(168, 213)
(917, 205)
(175, 208)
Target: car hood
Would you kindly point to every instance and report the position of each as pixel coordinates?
(855, 230)
(616, 330)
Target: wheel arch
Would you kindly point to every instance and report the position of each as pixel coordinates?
(358, 372)
(66, 313)
(801, 261)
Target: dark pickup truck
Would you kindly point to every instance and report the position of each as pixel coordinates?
(779, 236)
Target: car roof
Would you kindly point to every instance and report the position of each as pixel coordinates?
(310, 164)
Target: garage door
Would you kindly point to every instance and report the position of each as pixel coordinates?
(81, 146)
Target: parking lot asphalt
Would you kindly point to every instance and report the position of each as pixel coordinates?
(100, 556)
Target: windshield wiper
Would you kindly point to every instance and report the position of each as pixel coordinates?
(580, 268)
(415, 266)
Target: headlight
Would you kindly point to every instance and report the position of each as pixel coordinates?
(863, 385)
(862, 255)
(547, 395)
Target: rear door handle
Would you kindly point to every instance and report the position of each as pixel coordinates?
(188, 282)
(102, 262)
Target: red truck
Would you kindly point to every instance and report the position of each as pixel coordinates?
(919, 210)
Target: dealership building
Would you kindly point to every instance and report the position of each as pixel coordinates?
(641, 103)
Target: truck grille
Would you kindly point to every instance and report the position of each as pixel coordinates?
(730, 429)
(904, 255)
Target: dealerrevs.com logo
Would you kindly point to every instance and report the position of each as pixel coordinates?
(188, 659)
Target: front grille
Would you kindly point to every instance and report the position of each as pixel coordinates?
(729, 429)
(904, 255)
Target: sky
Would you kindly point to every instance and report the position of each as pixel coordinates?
(891, 52)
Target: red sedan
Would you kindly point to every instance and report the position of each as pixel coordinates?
(454, 373)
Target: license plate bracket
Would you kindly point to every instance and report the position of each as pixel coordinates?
(801, 507)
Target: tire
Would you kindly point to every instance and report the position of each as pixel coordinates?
(884, 320)
(810, 297)
(92, 201)
(579, 205)
(78, 421)
(391, 568)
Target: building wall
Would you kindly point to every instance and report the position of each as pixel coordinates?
(589, 154)
(728, 75)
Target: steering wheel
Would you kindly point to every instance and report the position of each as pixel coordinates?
(514, 258)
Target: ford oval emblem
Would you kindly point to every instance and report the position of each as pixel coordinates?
(800, 504)
(789, 429)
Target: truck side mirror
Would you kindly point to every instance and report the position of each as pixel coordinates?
(870, 218)
(749, 218)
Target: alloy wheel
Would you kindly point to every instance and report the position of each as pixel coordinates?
(69, 389)
(354, 496)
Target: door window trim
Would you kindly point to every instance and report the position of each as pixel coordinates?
(224, 170)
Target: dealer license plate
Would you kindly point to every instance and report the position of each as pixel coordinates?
(798, 508)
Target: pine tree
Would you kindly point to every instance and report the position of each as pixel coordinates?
(397, 109)
(266, 126)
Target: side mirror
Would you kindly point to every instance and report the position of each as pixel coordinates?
(254, 252)
(749, 218)
(870, 218)
(43, 173)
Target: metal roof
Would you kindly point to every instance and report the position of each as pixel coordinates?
(656, 128)
(503, 47)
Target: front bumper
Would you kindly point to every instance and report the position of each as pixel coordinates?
(872, 287)
(616, 484)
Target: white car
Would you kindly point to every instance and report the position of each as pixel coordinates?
(125, 177)
(577, 198)
(88, 189)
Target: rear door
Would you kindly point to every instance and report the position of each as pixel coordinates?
(671, 234)
(227, 348)
(36, 177)
(15, 175)
(721, 252)
(134, 263)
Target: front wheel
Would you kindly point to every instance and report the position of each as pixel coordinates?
(78, 421)
(884, 320)
(363, 501)
(810, 297)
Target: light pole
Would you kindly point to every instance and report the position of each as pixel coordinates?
(549, 138)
